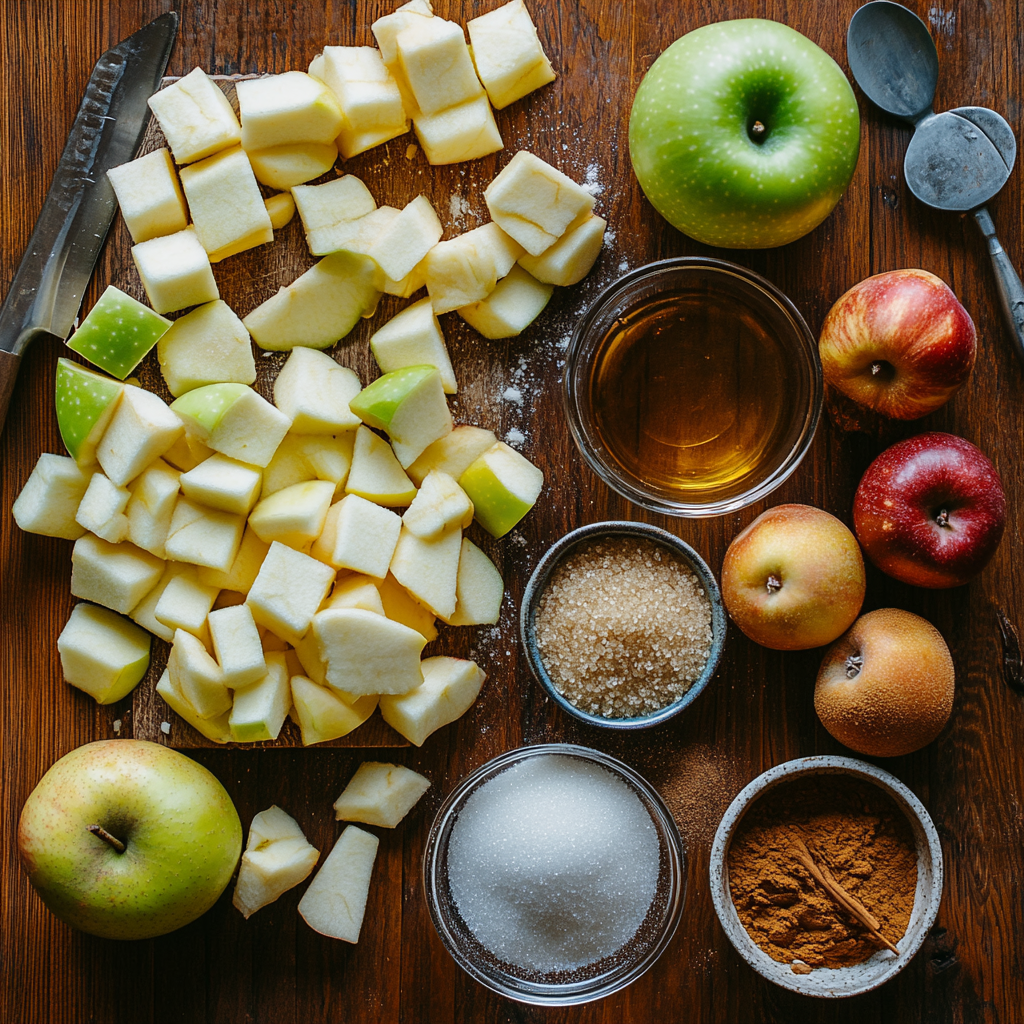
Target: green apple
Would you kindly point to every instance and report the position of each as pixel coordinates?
(744, 134)
(128, 839)
(503, 486)
(85, 404)
(118, 332)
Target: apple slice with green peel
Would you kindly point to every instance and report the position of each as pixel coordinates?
(314, 391)
(478, 590)
(215, 729)
(453, 454)
(517, 300)
(414, 338)
(439, 505)
(260, 708)
(198, 676)
(117, 333)
(376, 474)
(85, 403)
(117, 576)
(319, 308)
(335, 902)
(408, 404)
(295, 515)
(102, 653)
(286, 166)
(323, 715)
(288, 591)
(380, 794)
(49, 501)
(401, 606)
(429, 569)
(503, 486)
(236, 642)
(450, 686)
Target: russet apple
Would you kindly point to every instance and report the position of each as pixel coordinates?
(930, 510)
(899, 343)
(794, 578)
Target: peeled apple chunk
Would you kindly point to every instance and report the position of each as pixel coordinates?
(335, 902)
(294, 515)
(380, 794)
(154, 493)
(407, 238)
(223, 483)
(319, 308)
(314, 391)
(287, 109)
(204, 536)
(149, 196)
(356, 237)
(288, 590)
(414, 338)
(479, 588)
(310, 457)
(215, 729)
(259, 709)
(323, 715)
(436, 62)
(117, 576)
(503, 486)
(141, 430)
(429, 569)
(358, 535)
(85, 403)
(463, 132)
(332, 203)
(198, 676)
(569, 260)
(236, 642)
(440, 503)
(281, 209)
(118, 332)
(517, 300)
(195, 117)
(102, 510)
(102, 653)
(175, 271)
(454, 453)
(376, 474)
(48, 503)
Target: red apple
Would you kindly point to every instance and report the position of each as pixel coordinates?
(930, 510)
(899, 344)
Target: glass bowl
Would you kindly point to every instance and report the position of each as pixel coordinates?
(585, 984)
(716, 418)
(539, 581)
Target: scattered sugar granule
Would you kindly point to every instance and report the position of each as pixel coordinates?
(458, 207)
(165, 728)
(590, 183)
(514, 437)
(609, 237)
(513, 395)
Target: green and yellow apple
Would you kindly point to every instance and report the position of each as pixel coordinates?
(85, 405)
(127, 839)
(744, 134)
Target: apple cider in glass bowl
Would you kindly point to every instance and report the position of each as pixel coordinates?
(693, 386)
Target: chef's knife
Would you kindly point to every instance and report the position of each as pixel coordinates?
(47, 291)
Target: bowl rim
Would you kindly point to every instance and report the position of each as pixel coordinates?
(634, 493)
(930, 848)
(541, 576)
(671, 846)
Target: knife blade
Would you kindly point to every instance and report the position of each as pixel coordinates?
(46, 294)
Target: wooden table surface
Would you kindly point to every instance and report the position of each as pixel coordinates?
(755, 714)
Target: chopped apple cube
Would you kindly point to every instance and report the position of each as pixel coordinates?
(210, 345)
(187, 452)
(332, 203)
(380, 794)
(310, 457)
(50, 498)
(450, 686)
(507, 53)
(503, 486)
(478, 590)
(367, 653)
(358, 535)
(197, 675)
(414, 338)
(569, 260)
(175, 271)
(184, 605)
(376, 473)
(143, 612)
(437, 65)
(215, 729)
(295, 515)
(453, 454)
(323, 715)
(223, 483)
(102, 509)
(154, 493)
(203, 536)
(195, 117)
(102, 653)
(455, 134)
(409, 285)
(236, 642)
(141, 430)
(515, 303)
(407, 238)
(149, 196)
(534, 202)
(288, 591)
(281, 209)
(282, 110)
(353, 236)
(385, 31)
(356, 591)
(314, 391)
(440, 504)
(285, 167)
(307, 651)
(429, 569)
(244, 569)
(335, 902)
(85, 403)
(401, 606)
(259, 709)
(117, 576)
(460, 270)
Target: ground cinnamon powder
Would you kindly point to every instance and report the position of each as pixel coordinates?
(863, 837)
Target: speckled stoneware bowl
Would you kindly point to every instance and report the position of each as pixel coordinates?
(539, 581)
(824, 982)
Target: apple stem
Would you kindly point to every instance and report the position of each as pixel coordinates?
(757, 128)
(100, 832)
(854, 663)
(942, 519)
(774, 584)
(876, 369)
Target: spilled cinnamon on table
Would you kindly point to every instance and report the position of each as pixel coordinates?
(859, 834)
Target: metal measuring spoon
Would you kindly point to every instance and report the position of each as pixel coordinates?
(957, 160)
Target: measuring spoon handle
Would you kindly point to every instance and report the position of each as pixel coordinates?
(1011, 291)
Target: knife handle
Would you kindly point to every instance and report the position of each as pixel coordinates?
(1011, 291)
(9, 363)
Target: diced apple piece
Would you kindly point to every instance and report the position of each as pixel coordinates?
(288, 591)
(503, 486)
(310, 457)
(175, 271)
(460, 270)
(282, 110)
(429, 569)
(226, 204)
(569, 260)
(210, 345)
(366, 653)
(409, 285)
(259, 709)
(450, 686)
(285, 167)
(453, 454)
(534, 202)
(515, 303)
(307, 651)
(197, 675)
(187, 452)
(184, 605)
(507, 53)
(195, 117)
(380, 794)
(233, 420)
(215, 729)
(102, 510)
(85, 403)
(117, 576)
(244, 569)
(414, 338)
(281, 209)
(102, 653)
(223, 483)
(149, 196)
(314, 391)
(401, 606)
(277, 858)
(203, 536)
(319, 308)
(385, 31)
(332, 203)
(154, 493)
(356, 591)
(295, 515)
(455, 134)
(323, 715)
(354, 236)
(236, 642)
(439, 505)
(141, 430)
(143, 612)
(437, 65)
(335, 902)
(478, 590)
(408, 238)
(410, 405)
(358, 535)
(376, 473)
(50, 498)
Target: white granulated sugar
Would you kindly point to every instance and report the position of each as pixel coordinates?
(458, 207)
(514, 437)
(165, 728)
(609, 238)
(623, 267)
(513, 395)
(553, 864)
(590, 183)
(117, 726)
